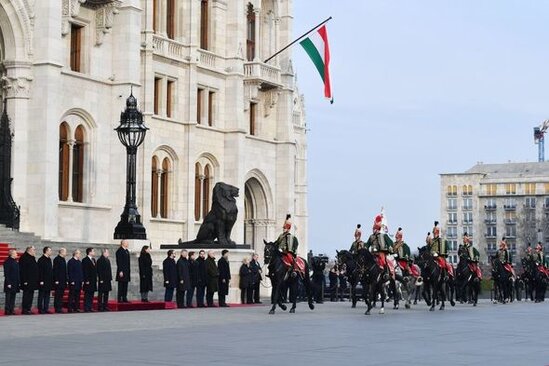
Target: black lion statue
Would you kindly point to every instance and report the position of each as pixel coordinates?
(219, 222)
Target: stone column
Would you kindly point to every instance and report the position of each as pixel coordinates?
(158, 196)
(71, 143)
(257, 56)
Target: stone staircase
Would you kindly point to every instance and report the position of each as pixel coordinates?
(21, 240)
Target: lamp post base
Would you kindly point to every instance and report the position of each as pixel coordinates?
(130, 229)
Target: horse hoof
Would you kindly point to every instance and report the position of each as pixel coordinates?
(311, 306)
(283, 307)
(271, 312)
(367, 312)
(407, 306)
(395, 307)
(475, 304)
(431, 309)
(353, 306)
(292, 311)
(382, 311)
(441, 308)
(453, 303)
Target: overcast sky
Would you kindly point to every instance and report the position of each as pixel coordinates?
(421, 87)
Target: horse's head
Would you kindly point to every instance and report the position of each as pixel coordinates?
(343, 256)
(269, 252)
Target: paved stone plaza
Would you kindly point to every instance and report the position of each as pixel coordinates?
(334, 334)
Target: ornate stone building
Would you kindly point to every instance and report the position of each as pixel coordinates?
(216, 112)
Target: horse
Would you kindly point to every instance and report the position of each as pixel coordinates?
(467, 281)
(280, 275)
(405, 280)
(503, 281)
(539, 279)
(345, 257)
(434, 279)
(373, 279)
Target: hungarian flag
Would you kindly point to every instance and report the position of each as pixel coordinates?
(316, 46)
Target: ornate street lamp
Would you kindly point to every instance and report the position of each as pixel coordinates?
(131, 133)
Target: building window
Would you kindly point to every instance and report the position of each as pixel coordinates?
(510, 204)
(78, 165)
(63, 162)
(154, 187)
(491, 189)
(253, 116)
(197, 190)
(199, 101)
(467, 217)
(546, 202)
(467, 203)
(510, 188)
(452, 217)
(491, 231)
(452, 204)
(490, 204)
(204, 24)
(169, 98)
(157, 86)
(530, 202)
(211, 107)
(510, 217)
(76, 48)
(491, 217)
(164, 188)
(530, 188)
(468, 229)
(451, 232)
(510, 231)
(452, 190)
(170, 19)
(467, 190)
(206, 190)
(250, 34)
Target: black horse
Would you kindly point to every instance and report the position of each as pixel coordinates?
(538, 279)
(434, 279)
(280, 276)
(373, 279)
(468, 283)
(503, 281)
(344, 257)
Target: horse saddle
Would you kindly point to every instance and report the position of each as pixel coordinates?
(298, 263)
(415, 271)
(509, 268)
(412, 269)
(441, 261)
(382, 262)
(475, 269)
(543, 270)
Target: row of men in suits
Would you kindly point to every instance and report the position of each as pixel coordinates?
(77, 274)
(203, 275)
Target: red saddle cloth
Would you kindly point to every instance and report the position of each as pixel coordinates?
(543, 270)
(415, 271)
(288, 260)
(403, 263)
(509, 268)
(441, 261)
(475, 269)
(382, 262)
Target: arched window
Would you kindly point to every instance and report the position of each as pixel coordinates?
(78, 165)
(64, 150)
(250, 33)
(206, 191)
(170, 19)
(164, 181)
(204, 24)
(154, 187)
(197, 189)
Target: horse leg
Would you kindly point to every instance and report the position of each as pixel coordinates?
(293, 295)
(442, 295)
(368, 295)
(383, 295)
(353, 294)
(308, 289)
(396, 295)
(275, 297)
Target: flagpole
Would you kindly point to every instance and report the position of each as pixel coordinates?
(303, 36)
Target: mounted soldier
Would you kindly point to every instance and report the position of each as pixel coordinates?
(505, 257)
(358, 243)
(402, 252)
(539, 259)
(288, 244)
(472, 255)
(380, 244)
(437, 247)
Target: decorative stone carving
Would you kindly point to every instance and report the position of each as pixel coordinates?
(105, 11)
(16, 87)
(271, 98)
(104, 19)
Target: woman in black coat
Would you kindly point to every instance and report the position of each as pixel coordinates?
(145, 273)
(245, 280)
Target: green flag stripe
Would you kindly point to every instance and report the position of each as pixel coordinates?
(312, 51)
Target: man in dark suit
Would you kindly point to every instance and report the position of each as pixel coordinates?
(76, 277)
(201, 279)
(104, 274)
(224, 277)
(60, 280)
(212, 278)
(89, 270)
(123, 270)
(192, 274)
(170, 275)
(183, 279)
(255, 267)
(28, 274)
(45, 281)
(11, 281)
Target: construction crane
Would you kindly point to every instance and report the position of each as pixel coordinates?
(539, 139)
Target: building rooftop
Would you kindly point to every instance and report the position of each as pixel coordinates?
(509, 170)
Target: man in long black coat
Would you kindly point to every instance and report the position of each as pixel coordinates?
(60, 280)
(123, 271)
(192, 274)
(183, 279)
(11, 281)
(76, 277)
(170, 275)
(28, 274)
(212, 278)
(104, 276)
(89, 270)
(45, 281)
(224, 277)
(201, 279)
(255, 268)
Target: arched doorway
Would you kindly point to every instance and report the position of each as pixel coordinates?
(256, 213)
